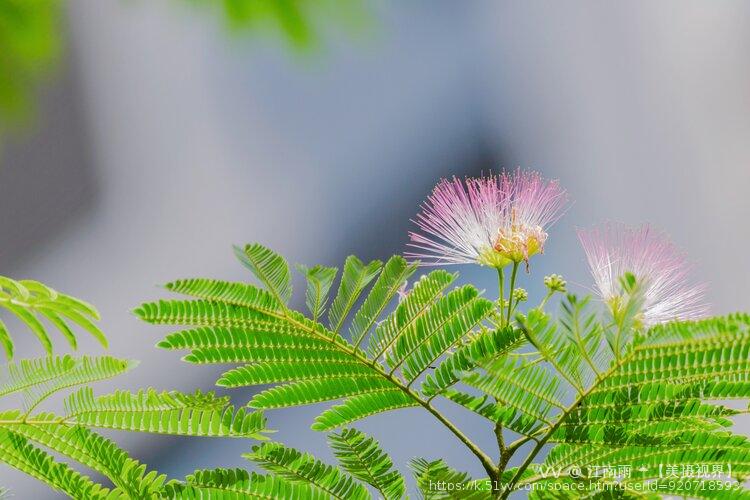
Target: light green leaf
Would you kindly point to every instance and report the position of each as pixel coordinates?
(269, 267)
(236, 484)
(314, 391)
(96, 452)
(361, 456)
(395, 272)
(422, 295)
(16, 451)
(31, 300)
(268, 373)
(164, 413)
(238, 294)
(303, 468)
(355, 278)
(319, 282)
(362, 406)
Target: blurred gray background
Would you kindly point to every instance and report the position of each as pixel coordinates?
(164, 138)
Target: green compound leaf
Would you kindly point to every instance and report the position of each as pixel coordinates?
(269, 267)
(319, 282)
(235, 484)
(96, 452)
(164, 413)
(361, 406)
(303, 468)
(361, 456)
(395, 273)
(16, 451)
(355, 278)
(31, 302)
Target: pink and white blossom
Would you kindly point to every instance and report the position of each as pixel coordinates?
(532, 205)
(613, 250)
(491, 220)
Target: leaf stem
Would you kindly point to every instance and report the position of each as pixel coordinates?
(510, 292)
(501, 291)
(503, 453)
(486, 461)
(546, 298)
(581, 344)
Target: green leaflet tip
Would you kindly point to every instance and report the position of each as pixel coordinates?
(164, 344)
(129, 364)
(320, 426)
(190, 358)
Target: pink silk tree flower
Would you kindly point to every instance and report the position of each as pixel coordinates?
(491, 220)
(532, 204)
(613, 250)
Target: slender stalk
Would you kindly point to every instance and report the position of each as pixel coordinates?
(618, 336)
(581, 345)
(549, 295)
(500, 438)
(510, 292)
(501, 290)
(503, 454)
(486, 461)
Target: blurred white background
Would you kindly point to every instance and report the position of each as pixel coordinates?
(178, 138)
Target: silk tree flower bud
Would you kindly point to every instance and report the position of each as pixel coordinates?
(520, 295)
(555, 283)
(614, 250)
(492, 220)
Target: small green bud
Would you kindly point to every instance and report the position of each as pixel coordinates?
(555, 283)
(520, 295)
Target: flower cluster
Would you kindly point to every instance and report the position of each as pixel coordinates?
(662, 271)
(493, 221)
(501, 219)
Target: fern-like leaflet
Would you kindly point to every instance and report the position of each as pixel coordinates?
(29, 437)
(291, 474)
(32, 301)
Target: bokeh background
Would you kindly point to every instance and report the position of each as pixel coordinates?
(159, 133)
